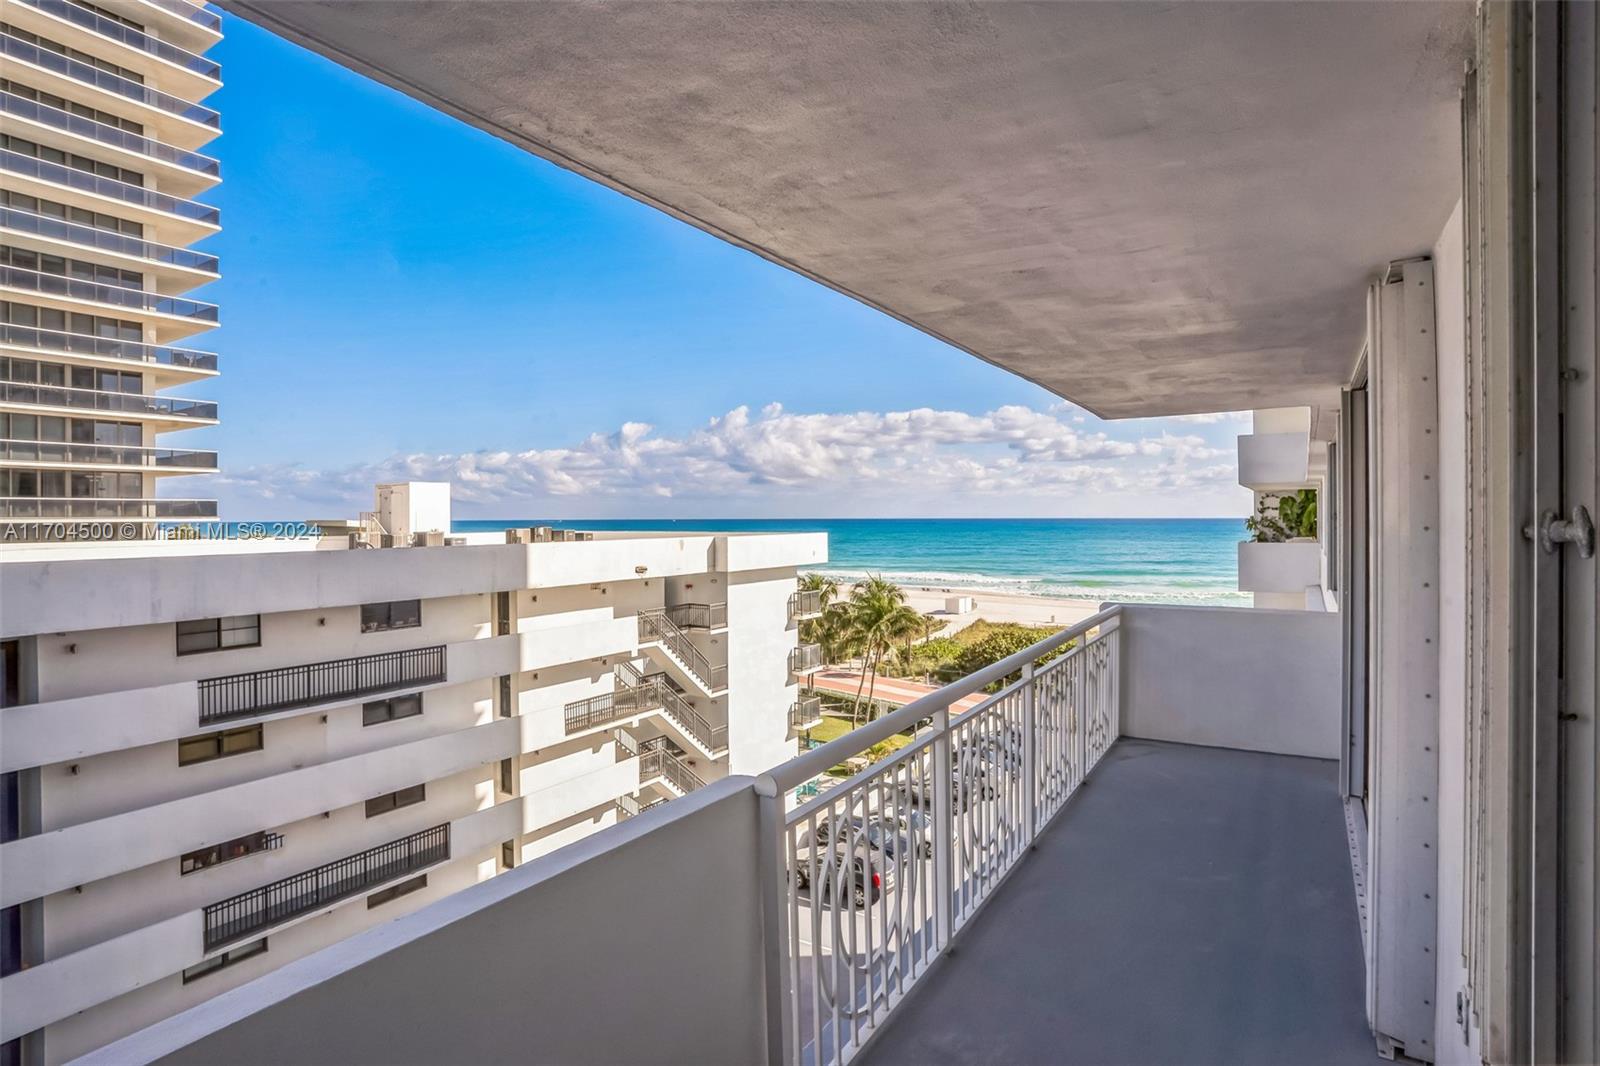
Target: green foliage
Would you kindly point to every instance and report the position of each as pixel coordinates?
(1002, 641)
(1281, 518)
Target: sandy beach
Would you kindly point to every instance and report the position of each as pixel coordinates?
(999, 607)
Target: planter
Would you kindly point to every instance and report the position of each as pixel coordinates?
(1291, 566)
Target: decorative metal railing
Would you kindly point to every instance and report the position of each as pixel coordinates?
(806, 711)
(699, 615)
(806, 603)
(874, 876)
(656, 628)
(658, 760)
(287, 687)
(805, 658)
(250, 912)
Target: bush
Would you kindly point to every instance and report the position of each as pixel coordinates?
(1001, 642)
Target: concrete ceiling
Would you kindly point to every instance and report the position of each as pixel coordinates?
(1145, 208)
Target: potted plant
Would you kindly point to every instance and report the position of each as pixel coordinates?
(1282, 554)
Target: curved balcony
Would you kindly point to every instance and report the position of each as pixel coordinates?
(106, 240)
(104, 507)
(43, 170)
(195, 13)
(55, 340)
(27, 52)
(102, 133)
(75, 289)
(49, 451)
(122, 403)
(116, 31)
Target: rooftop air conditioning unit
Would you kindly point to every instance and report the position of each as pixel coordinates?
(519, 536)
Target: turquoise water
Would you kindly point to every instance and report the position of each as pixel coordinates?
(1154, 560)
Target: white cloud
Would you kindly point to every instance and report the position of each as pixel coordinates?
(740, 460)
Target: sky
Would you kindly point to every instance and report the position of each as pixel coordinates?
(404, 296)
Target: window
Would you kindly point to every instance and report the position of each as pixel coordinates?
(507, 708)
(397, 614)
(379, 711)
(216, 634)
(507, 777)
(393, 892)
(508, 855)
(226, 959)
(393, 801)
(10, 673)
(210, 746)
(217, 854)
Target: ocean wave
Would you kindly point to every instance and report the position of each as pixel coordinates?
(1196, 592)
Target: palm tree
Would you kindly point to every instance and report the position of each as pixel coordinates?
(878, 618)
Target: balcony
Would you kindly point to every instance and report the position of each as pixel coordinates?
(1284, 567)
(36, 281)
(805, 659)
(659, 763)
(57, 229)
(51, 341)
(205, 217)
(804, 604)
(30, 507)
(206, 19)
(21, 51)
(127, 35)
(1143, 812)
(705, 616)
(805, 713)
(224, 699)
(122, 403)
(22, 108)
(249, 913)
(109, 455)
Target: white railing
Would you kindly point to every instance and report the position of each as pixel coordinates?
(870, 880)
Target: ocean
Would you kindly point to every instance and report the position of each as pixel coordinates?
(1149, 560)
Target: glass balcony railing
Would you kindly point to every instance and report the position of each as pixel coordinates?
(805, 659)
(103, 507)
(195, 13)
(55, 340)
(126, 403)
(27, 52)
(49, 451)
(105, 240)
(103, 133)
(44, 170)
(116, 31)
(77, 289)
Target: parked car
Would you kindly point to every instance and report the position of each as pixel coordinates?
(870, 875)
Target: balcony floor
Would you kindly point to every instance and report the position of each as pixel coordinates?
(1191, 905)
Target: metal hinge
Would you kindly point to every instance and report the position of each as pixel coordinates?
(1579, 530)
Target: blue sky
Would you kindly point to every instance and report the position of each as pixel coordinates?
(403, 295)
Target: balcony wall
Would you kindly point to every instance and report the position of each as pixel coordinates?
(1230, 677)
(391, 994)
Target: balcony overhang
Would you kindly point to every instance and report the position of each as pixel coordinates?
(1148, 209)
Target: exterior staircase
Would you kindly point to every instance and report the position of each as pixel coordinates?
(658, 632)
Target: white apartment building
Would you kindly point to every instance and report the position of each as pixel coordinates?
(222, 756)
(101, 130)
